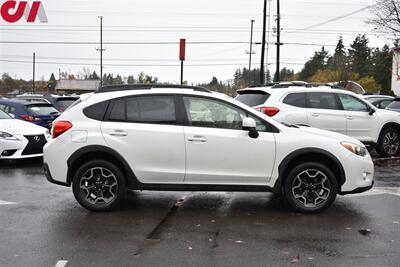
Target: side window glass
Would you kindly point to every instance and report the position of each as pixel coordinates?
(209, 113)
(151, 109)
(117, 112)
(351, 103)
(296, 100)
(322, 101)
(2, 107)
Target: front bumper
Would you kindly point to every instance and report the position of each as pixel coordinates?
(23, 148)
(358, 190)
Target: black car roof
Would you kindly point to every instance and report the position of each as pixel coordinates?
(22, 102)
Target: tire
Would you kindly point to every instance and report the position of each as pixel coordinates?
(99, 185)
(389, 142)
(310, 187)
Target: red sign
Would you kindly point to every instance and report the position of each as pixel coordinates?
(12, 11)
(182, 49)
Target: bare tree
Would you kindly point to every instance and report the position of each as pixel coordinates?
(386, 16)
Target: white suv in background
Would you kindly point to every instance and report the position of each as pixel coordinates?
(163, 137)
(329, 108)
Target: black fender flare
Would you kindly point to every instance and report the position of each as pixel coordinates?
(131, 179)
(304, 151)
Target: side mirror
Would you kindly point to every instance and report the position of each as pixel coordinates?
(249, 124)
(371, 111)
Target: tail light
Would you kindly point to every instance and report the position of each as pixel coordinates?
(60, 127)
(29, 118)
(269, 111)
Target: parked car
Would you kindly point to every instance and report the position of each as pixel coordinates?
(395, 105)
(328, 108)
(379, 101)
(39, 113)
(165, 137)
(20, 139)
(61, 103)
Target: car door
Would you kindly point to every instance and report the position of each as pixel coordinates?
(360, 124)
(323, 111)
(144, 130)
(218, 151)
(295, 108)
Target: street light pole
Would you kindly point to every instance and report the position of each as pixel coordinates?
(101, 50)
(34, 67)
(262, 76)
(278, 42)
(251, 49)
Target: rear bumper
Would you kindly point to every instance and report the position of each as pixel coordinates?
(50, 178)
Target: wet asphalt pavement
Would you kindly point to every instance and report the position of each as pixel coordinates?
(44, 225)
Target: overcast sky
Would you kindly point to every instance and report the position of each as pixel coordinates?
(160, 24)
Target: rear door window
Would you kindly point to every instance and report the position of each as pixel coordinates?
(296, 100)
(63, 103)
(151, 109)
(321, 100)
(252, 98)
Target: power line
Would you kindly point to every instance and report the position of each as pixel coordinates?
(121, 43)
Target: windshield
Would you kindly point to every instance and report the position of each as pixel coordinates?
(64, 103)
(252, 98)
(4, 116)
(42, 110)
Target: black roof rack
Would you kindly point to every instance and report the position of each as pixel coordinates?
(125, 87)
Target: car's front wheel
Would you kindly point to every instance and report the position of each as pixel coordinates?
(389, 142)
(99, 185)
(310, 187)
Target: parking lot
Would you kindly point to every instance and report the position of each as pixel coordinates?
(41, 224)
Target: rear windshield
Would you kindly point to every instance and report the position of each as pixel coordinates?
(394, 105)
(252, 98)
(4, 116)
(63, 103)
(42, 110)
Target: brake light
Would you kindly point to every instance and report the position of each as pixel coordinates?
(60, 127)
(269, 111)
(29, 118)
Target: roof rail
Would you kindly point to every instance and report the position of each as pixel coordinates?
(294, 83)
(125, 87)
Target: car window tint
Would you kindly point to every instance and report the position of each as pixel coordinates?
(117, 112)
(204, 112)
(42, 110)
(296, 100)
(351, 103)
(151, 109)
(4, 115)
(252, 98)
(385, 103)
(394, 105)
(96, 111)
(322, 101)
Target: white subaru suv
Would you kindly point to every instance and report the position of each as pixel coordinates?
(163, 137)
(329, 108)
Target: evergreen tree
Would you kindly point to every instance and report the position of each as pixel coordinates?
(359, 55)
(51, 84)
(381, 65)
(316, 63)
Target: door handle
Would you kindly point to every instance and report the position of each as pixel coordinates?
(200, 139)
(119, 133)
(315, 115)
(349, 118)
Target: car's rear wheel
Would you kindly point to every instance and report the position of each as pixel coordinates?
(310, 187)
(99, 185)
(389, 142)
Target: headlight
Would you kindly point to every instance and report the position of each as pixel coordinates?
(7, 136)
(356, 149)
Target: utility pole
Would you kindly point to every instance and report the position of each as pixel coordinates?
(33, 80)
(262, 75)
(278, 42)
(101, 50)
(251, 49)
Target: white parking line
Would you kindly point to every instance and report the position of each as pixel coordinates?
(61, 263)
(2, 202)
